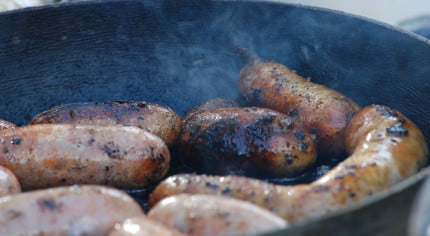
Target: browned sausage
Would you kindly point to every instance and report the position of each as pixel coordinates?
(6, 125)
(214, 215)
(325, 111)
(142, 226)
(214, 103)
(386, 148)
(155, 118)
(85, 210)
(61, 154)
(8, 182)
(251, 141)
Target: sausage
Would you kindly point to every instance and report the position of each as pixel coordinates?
(49, 155)
(214, 103)
(74, 210)
(6, 125)
(8, 182)
(251, 141)
(155, 118)
(142, 226)
(324, 111)
(214, 215)
(386, 147)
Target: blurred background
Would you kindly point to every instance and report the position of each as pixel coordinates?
(412, 15)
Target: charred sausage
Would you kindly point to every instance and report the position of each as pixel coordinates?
(155, 118)
(213, 104)
(142, 226)
(325, 111)
(8, 182)
(214, 215)
(251, 141)
(62, 154)
(385, 147)
(76, 210)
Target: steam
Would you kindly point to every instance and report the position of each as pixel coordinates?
(181, 53)
(202, 54)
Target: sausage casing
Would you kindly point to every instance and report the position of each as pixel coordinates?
(8, 182)
(62, 154)
(386, 148)
(213, 103)
(214, 215)
(155, 118)
(324, 111)
(143, 226)
(251, 141)
(75, 210)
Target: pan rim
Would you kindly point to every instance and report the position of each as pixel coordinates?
(273, 2)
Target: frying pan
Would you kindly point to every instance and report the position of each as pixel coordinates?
(180, 53)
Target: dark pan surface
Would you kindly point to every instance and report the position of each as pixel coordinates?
(180, 53)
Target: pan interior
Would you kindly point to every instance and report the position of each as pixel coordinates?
(181, 53)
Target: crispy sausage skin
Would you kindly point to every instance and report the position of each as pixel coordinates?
(214, 215)
(75, 210)
(143, 226)
(6, 125)
(325, 111)
(155, 118)
(8, 182)
(49, 155)
(385, 147)
(251, 141)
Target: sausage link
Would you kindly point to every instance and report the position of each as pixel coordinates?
(8, 182)
(214, 215)
(49, 155)
(214, 103)
(75, 210)
(155, 118)
(251, 141)
(386, 148)
(325, 111)
(143, 226)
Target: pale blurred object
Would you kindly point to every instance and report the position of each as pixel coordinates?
(419, 25)
(6, 5)
(388, 11)
(419, 220)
